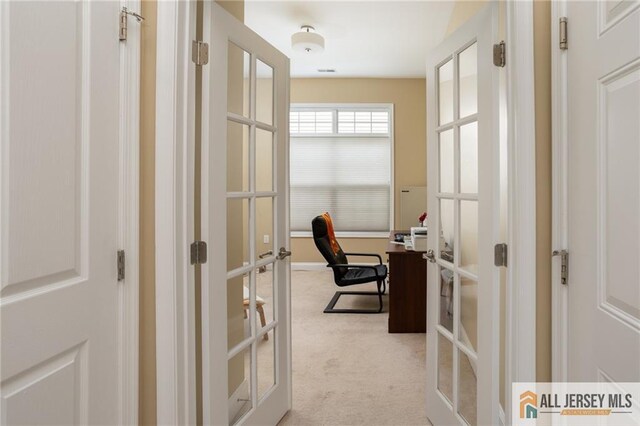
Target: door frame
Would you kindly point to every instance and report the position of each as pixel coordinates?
(559, 206)
(520, 315)
(129, 216)
(522, 193)
(174, 214)
(175, 323)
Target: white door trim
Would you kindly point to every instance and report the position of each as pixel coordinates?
(128, 321)
(520, 321)
(559, 233)
(174, 226)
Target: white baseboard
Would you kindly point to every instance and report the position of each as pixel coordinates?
(309, 266)
(238, 399)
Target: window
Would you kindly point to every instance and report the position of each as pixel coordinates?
(341, 163)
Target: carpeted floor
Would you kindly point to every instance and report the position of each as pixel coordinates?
(347, 369)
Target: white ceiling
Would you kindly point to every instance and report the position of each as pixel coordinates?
(362, 38)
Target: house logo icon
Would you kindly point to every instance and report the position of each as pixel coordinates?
(528, 405)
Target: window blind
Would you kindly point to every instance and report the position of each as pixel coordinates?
(348, 176)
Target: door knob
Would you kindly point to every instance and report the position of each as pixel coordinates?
(283, 253)
(429, 256)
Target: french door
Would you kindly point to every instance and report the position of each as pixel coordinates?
(463, 283)
(246, 367)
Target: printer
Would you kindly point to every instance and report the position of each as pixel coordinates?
(419, 238)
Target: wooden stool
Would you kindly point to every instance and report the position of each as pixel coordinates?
(259, 307)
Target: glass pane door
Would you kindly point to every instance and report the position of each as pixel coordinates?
(251, 275)
(246, 362)
(458, 239)
(460, 280)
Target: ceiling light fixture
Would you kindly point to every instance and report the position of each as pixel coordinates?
(307, 41)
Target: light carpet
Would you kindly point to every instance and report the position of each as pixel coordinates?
(347, 369)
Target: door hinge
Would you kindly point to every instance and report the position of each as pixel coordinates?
(122, 27)
(500, 254)
(198, 253)
(564, 265)
(563, 34)
(499, 54)
(120, 266)
(200, 52)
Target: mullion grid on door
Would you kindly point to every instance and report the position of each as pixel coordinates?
(274, 197)
(272, 326)
(458, 270)
(276, 231)
(456, 228)
(252, 227)
(457, 198)
(251, 196)
(440, 196)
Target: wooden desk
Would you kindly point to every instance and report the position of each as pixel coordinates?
(407, 289)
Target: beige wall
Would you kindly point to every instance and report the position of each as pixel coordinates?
(147, 373)
(542, 52)
(408, 97)
(462, 11)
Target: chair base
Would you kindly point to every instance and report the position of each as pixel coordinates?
(330, 307)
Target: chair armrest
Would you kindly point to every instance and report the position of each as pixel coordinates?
(366, 255)
(353, 266)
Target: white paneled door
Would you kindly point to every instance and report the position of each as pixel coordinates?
(59, 300)
(245, 218)
(463, 286)
(603, 188)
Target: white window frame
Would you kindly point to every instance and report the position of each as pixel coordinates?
(389, 107)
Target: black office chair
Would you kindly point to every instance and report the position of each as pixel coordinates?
(346, 274)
